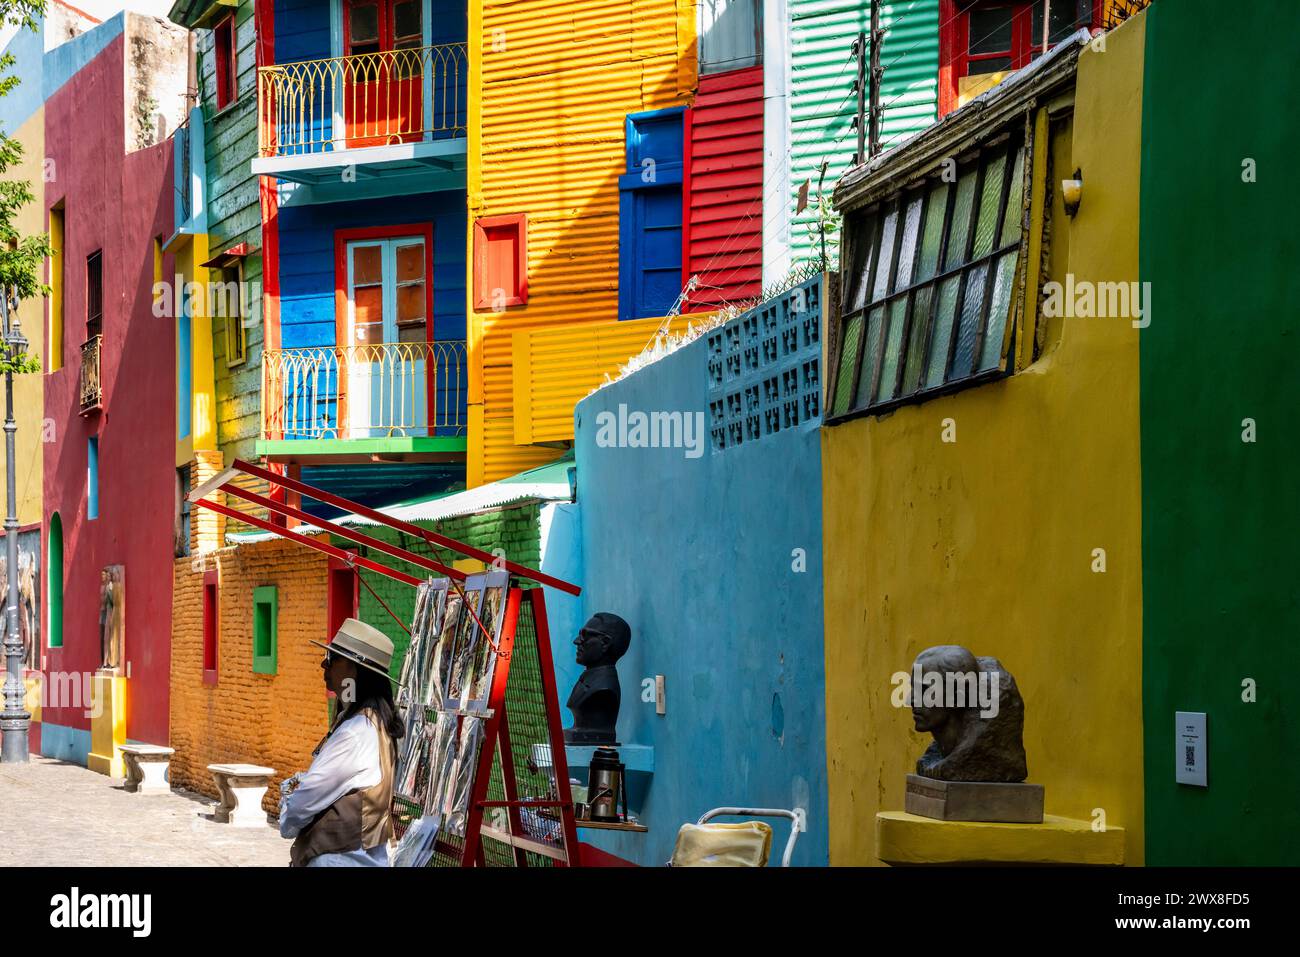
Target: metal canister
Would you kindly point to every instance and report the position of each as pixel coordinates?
(606, 790)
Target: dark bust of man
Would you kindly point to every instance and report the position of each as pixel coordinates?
(974, 710)
(596, 694)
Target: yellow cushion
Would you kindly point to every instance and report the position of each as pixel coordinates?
(745, 844)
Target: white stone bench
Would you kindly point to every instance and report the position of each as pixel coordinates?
(241, 787)
(146, 768)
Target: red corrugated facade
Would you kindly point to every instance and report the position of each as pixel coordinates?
(722, 233)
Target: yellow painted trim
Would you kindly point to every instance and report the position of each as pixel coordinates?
(474, 200)
(203, 419)
(903, 838)
(687, 47)
(54, 359)
(522, 380)
(107, 725)
(476, 448)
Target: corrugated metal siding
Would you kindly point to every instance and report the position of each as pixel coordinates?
(556, 368)
(822, 103)
(555, 82)
(234, 217)
(724, 201)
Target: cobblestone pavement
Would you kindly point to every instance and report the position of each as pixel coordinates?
(62, 815)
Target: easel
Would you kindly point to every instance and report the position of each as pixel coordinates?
(529, 703)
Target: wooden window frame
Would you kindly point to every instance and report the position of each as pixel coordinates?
(225, 49)
(236, 334)
(95, 294)
(517, 295)
(266, 596)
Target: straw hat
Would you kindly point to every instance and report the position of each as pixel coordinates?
(362, 644)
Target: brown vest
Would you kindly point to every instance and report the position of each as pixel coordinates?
(359, 820)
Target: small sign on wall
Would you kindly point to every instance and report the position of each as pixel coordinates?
(1191, 757)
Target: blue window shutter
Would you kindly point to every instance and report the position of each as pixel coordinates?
(650, 215)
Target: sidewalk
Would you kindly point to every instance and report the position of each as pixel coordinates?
(54, 814)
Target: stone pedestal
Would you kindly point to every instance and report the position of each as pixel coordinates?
(974, 801)
(107, 724)
(242, 787)
(146, 768)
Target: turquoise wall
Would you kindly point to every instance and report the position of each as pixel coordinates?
(698, 555)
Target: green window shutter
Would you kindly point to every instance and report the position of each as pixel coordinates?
(265, 613)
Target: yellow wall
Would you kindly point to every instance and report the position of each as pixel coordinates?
(988, 541)
(29, 390)
(555, 82)
(189, 251)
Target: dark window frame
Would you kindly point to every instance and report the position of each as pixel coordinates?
(95, 294)
(225, 48)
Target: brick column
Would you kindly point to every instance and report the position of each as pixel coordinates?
(207, 528)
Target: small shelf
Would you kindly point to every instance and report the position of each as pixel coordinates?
(635, 757)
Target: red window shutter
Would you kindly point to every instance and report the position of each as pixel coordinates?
(223, 37)
(500, 261)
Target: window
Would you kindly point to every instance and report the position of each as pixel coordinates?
(54, 358)
(55, 575)
(226, 56)
(382, 279)
(500, 261)
(983, 40)
(731, 35)
(92, 477)
(265, 610)
(181, 527)
(211, 627)
(94, 294)
(230, 304)
(650, 215)
(928, 280)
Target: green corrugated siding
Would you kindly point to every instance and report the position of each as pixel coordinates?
(234, 217)
(822, 103)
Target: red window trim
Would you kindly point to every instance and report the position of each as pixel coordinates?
(211, 627)
(482, 296)
(954, 40)
(227, 68)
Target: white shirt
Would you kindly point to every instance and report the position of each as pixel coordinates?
(348, 760)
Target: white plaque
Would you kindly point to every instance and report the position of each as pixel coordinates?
(1191, 751)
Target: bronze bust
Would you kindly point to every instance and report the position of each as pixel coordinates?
(974, 710)
(596, 695)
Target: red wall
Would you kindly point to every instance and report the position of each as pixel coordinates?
(723, 189)
(118, 202)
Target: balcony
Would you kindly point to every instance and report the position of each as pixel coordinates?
(390, 114)
(92, 392)
(394, 401)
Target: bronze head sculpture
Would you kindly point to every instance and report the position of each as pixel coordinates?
(596, 695)
(974, 710)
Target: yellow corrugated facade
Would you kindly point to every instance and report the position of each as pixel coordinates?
(552, 86)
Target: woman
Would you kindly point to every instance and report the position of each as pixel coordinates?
(339, 809)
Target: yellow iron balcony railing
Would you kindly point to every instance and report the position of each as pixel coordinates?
(384, 390)
(371, 99)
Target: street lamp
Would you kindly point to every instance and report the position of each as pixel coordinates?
(15, 720)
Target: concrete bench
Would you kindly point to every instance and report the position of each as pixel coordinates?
(146, 768)
(241, 787)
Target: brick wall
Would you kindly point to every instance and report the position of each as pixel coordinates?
(514, 530)
(273, 720)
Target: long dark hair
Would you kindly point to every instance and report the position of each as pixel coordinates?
(375, 691)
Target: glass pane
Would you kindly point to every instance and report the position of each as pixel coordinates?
(972, 312)
(1015, 193)
(410, 262)
(941, 339)
(880, 287)
(864, 242)
(413, 332)
(1066, 16)
(847, 372)
(367, 265)
(907, 248)
(986, 226)
(935, 208)
(990, 29)
(893, 349)
(410, 302)
(870, 355)
(916, 339)
(406, 21)
(368, 316)
(959, 229)
(999, 305)
(363, 25)
(996, 64)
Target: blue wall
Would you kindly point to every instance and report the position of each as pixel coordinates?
(307, 260)
(696, 554)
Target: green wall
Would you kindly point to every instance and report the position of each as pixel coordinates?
(1221, 517)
